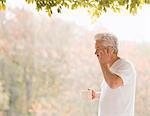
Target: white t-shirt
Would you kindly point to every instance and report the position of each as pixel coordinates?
(119, 101)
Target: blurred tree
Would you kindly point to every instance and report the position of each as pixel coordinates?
(19, 70)
(94, 7)
(4, 98)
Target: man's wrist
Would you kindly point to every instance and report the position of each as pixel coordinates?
(105, 66)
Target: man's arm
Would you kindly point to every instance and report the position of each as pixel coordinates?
(113, 80)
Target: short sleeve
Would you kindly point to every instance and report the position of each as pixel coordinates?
(124, 71)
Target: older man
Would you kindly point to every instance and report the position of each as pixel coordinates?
(118, 86)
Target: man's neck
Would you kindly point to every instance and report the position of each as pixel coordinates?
(114, 59)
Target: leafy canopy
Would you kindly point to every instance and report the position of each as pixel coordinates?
(94, 7)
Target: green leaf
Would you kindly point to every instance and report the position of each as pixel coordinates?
(65, 5)
(59, 10)
(74, 6)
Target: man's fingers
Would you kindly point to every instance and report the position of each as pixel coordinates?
(105, 51)
(93, 94)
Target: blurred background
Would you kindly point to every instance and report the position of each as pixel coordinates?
(45, 61)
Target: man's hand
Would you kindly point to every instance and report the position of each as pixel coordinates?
(103, 56)
(93, 94)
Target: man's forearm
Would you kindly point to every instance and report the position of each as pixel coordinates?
(108, 75)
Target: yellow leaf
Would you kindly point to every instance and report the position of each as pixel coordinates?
(3, 7)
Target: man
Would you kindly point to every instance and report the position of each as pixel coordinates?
(118, 86)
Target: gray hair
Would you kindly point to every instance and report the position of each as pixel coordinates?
(108, 39)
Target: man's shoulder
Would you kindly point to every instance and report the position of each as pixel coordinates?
(125, 62)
